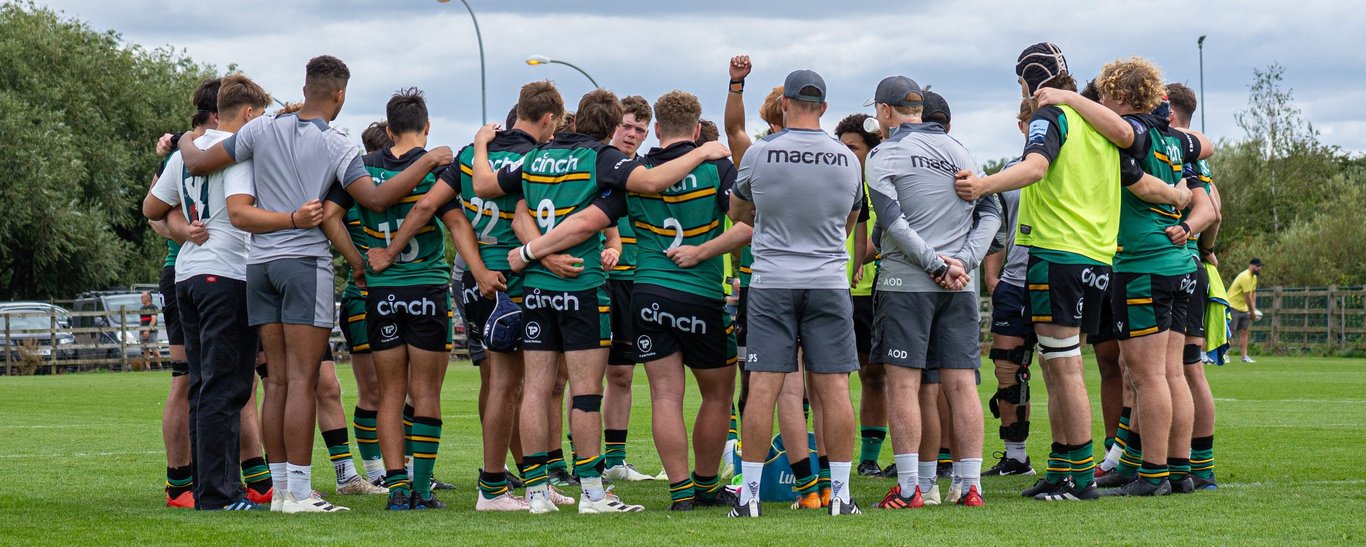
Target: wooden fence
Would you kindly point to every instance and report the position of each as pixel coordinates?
(1295, 319)
(1298, 319)
(53, 342)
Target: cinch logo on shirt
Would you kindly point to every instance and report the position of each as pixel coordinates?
(558, 302)
(693, 325)
(807, 157)
(549, 165)
(393, 306)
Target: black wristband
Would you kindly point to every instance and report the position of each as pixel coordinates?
(291, 220)
(1185, 227)
(733, 82)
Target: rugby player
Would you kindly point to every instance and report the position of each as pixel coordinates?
(1154, 277)
(621, 360)
(289, 269)
(1069, 218)
(569, 315)
(1012, 335)
(211, 286)
(489, 222)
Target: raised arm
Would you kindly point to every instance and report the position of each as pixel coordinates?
(734, 117)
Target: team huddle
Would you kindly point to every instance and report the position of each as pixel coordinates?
(579, 255)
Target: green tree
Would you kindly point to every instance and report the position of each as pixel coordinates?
(79, 113)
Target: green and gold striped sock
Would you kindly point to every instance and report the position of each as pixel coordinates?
(1132, 457)
(492, 485)
(1179, 467)
(1083, 461)
(534, 470)
(615, 440)
(426, 442)
(681, 491)
(806, 480)
(554, 460)
(339, 452)
(733, 433)
(1058, 468)
(589, 468)
(363, 424)
(256, 475)
(1154, 473)
(823, 480)
(396, 480)
(180, 480)
(1202, 457)
(871, 447)
(945, 456)
(408, 411)
(706, 487)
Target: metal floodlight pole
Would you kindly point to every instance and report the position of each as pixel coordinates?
(535, 60)
(483, 78)
(1200, 44)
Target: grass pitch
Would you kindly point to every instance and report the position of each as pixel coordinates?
(82, 464)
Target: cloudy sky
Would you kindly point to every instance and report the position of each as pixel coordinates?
(965, 49)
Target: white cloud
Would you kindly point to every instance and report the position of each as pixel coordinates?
(965, 49)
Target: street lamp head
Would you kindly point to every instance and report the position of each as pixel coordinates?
(1200, 41)
(537, 60)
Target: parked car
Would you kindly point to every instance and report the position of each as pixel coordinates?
(115, 327)
(31, 324)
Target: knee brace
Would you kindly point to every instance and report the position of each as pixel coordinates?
(1017, 432)
(1021, 355)
(1056, 348)
(1010, 394)
(1191, 354)
(587, 403)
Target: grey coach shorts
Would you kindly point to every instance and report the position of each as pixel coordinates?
(1239, 320)
(295, 291)
(927, 330)
(820, 320)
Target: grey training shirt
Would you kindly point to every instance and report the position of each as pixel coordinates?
(919, 216)
(1017, 256)
(294, 161)
(804, 183)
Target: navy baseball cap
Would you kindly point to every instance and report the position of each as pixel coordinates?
(503, 331)
(799, 80)
(936, 108)
(897, 91)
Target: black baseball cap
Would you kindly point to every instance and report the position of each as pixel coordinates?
(936, 105)
(1255, 262)
(802, 79)
(897, 91)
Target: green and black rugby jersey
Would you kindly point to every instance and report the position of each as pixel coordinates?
(691, 212)
(1198, 176)
(625, 270)
(1143, 243)
(558, 179)
(491, 217)
(172, 248)
(423, 260)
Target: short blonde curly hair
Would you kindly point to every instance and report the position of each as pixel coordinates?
(1135, 81)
